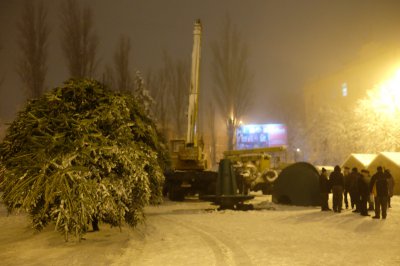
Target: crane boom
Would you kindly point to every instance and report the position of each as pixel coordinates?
(191, 137)
(188, 173)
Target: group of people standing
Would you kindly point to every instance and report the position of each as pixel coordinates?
(360, 187)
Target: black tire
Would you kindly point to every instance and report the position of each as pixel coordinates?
(211, 189)
(176, 193)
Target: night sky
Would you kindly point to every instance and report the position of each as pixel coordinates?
(290, 41)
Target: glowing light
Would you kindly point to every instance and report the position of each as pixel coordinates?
(344, 89)
(385, 98)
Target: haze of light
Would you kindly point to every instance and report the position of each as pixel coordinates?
(385, 98)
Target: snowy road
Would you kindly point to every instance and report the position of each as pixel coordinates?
(178, 240)
(193, 233)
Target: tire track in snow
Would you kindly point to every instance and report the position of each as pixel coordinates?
(226, 250)
(144, 251)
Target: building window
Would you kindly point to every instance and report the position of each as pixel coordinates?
(344, 89)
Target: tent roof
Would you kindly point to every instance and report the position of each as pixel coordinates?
(392, 156)
(364, 158)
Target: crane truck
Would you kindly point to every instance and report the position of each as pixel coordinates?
(189, 174)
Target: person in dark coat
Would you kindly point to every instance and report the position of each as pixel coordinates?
(353, 189)
(363, 191)
(324, 189)
(390, 181)
(379, 186)
(371, 196)
(336, 181)
(346, 172)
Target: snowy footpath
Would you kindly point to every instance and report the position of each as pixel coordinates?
(194, 233)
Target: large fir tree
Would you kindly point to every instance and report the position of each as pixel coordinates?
(81, 153)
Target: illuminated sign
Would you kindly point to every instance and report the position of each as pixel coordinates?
(260, 136)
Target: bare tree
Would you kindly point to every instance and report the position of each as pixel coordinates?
(33, 36)
(213, 133)
(118, 76)
(121, 64)
(1, 76)
(170, 88)
(176, 78)
(108, 77)
(79, 42)
(1, 82)
(231, 77)
(158, 84)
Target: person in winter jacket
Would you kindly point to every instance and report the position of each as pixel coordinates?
(324, 189)
(346, 172)
(336, 181)
(390, 181)
(353, 189)
(379, 186)
(363, 191)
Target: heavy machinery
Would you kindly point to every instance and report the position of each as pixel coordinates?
(257, 169)
(188, 174)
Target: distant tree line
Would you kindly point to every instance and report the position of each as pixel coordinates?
(165, 90)
(79, 44)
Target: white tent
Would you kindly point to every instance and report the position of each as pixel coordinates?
(391, 161)
(359, 160)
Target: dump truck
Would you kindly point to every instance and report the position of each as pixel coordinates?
(189, 174)
(257, 169)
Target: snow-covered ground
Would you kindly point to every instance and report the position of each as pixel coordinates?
(194, 233)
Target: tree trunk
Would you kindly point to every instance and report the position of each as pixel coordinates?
(231, 129)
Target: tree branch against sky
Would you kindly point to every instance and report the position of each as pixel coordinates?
(157, 84)
(33, 36)
(177, 74)
(231, 77)
(79, 41)
(169, 87)
(212, 133)
(122, 65)
(118, 75)
(1, 74)
(1, 83)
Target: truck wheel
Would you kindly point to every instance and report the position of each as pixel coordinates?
(211, 189)
(176, 193)
(266, 191)
(271, 175)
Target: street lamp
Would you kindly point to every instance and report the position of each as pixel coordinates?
(296, 154)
